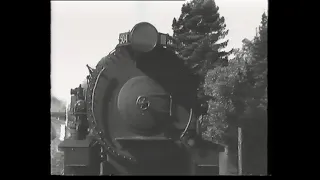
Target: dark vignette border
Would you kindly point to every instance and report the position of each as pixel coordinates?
(32, 34)
(29, 35)
(283, 99)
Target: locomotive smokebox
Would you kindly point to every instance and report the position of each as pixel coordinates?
(145, 107)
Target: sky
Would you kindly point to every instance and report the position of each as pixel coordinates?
(82, 32)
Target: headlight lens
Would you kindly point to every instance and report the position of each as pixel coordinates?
(144, 37)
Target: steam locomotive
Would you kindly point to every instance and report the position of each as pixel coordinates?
(136, 114)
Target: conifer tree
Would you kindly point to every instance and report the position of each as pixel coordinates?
(199, 34)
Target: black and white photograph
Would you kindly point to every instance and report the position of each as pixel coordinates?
(159, 88)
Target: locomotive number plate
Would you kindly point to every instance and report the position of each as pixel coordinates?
(124, 38)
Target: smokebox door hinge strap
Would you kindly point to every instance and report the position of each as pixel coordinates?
(188, 125)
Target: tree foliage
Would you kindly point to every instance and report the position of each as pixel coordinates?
(238, 86)
(240, 90)
(199, 34)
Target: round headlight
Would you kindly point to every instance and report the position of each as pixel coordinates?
(144, 37)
